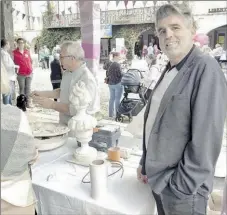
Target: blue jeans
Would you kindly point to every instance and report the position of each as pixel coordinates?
(116, 92)
(7, 98)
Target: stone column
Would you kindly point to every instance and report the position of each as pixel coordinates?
(90, 33)
(7, 21)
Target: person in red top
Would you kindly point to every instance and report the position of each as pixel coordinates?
(22, 58)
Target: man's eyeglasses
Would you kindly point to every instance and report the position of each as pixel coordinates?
(62, 57)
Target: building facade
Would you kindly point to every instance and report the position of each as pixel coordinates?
(210, 18)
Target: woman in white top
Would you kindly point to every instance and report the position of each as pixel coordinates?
(10, 68)
(18, 153)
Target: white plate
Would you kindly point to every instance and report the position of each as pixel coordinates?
(100, 155)
(48, 129)
(50, 144)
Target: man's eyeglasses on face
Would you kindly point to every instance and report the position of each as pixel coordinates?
(62, 57)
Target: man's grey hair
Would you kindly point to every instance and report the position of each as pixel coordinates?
(74, 48)
(180, 10)
(56, 56)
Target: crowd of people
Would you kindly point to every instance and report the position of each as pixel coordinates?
(19, 68)
(181, 144)
(44, 57)
(218, 52)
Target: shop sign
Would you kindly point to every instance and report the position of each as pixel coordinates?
(217, 10)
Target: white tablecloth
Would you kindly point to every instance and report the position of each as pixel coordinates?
(64, 193)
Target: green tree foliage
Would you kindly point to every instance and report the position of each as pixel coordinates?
(55, 36)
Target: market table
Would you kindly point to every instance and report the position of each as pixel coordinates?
(59, 189)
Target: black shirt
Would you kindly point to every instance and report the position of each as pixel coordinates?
(55, 70)
(181, 63)
(114, 73)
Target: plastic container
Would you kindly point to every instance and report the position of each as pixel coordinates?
(107, 136)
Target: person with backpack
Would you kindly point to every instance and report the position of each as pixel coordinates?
(113, 79)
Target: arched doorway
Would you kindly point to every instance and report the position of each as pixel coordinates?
(34, 45)
(145, 38)
(218, 35)
(34, 49)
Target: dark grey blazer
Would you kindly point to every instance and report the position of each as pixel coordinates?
(186, 138)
